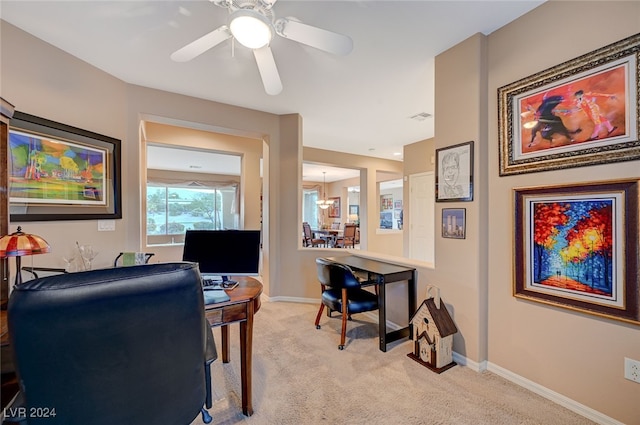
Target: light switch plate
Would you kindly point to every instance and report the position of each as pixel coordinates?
(106, 225)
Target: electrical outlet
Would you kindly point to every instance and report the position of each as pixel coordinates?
(632, 370)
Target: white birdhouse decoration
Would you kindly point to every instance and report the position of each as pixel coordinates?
(432, 330)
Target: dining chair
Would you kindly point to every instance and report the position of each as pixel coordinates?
(348, 237)
(308, 239)
(342, 292)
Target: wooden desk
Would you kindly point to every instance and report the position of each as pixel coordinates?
(384, 273)
(244, 303)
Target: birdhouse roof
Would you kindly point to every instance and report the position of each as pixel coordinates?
(441, 317)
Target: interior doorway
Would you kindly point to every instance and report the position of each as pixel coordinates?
(422, 209)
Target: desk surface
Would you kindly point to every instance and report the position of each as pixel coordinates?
(373, 266)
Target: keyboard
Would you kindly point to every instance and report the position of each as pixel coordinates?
(218, 285)
(211, 282)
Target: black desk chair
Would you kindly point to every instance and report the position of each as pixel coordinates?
(342, 291)
(127, 345)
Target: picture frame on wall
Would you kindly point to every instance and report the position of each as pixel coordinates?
(454, 223)
(454, 173)
(60, 172)
(334, 209)
(578, 113)
(576, 247)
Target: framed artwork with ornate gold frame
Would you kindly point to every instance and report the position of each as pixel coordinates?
(578, 113)
(576, 247)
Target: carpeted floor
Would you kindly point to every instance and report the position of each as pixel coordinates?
(300, 377)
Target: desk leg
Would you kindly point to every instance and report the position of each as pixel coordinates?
(382, 315)
(412, 297)
(246, 347)
(224, 330)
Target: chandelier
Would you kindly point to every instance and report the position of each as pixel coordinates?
(324, 203)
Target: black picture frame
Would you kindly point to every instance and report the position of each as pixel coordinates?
(454, 173)
(454, 223)
(96, 191)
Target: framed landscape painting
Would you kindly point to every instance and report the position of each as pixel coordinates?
(581, 112)
(59, 172)
(576, 247)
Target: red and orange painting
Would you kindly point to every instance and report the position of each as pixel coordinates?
(588, 109)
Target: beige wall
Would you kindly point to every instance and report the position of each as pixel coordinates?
(577, 355)
(45, 81)
(566, 354)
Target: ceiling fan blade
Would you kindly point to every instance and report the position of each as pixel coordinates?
(319, 38)
(201, 45)
(268, 70)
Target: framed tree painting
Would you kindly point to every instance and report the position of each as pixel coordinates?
(576, 247)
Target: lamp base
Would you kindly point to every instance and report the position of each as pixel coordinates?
(18, 272)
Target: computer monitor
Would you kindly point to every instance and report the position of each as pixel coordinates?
(223, 252)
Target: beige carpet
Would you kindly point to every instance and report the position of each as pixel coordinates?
(300, 377)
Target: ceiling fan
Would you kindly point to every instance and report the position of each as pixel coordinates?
(253, 24)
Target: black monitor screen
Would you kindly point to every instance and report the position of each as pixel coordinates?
(223, 252)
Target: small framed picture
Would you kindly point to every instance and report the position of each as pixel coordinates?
(454, 223)
(454, 173)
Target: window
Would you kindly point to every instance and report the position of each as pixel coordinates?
(174, 209)
(310, 206)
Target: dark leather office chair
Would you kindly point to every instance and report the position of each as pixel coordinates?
(342, 291)
(128, 345)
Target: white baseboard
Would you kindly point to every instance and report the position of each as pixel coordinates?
(553, 396)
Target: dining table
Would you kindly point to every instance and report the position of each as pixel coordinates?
(330, 235)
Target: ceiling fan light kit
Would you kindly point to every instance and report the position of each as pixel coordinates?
(252, 24)
(250, 28)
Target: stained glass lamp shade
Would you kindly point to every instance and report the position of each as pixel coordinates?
(19, 244)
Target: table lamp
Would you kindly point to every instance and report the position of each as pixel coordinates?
(19, 244)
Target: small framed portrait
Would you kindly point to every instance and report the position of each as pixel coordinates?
(454, 173)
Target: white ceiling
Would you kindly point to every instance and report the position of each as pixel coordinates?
(360, 103)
